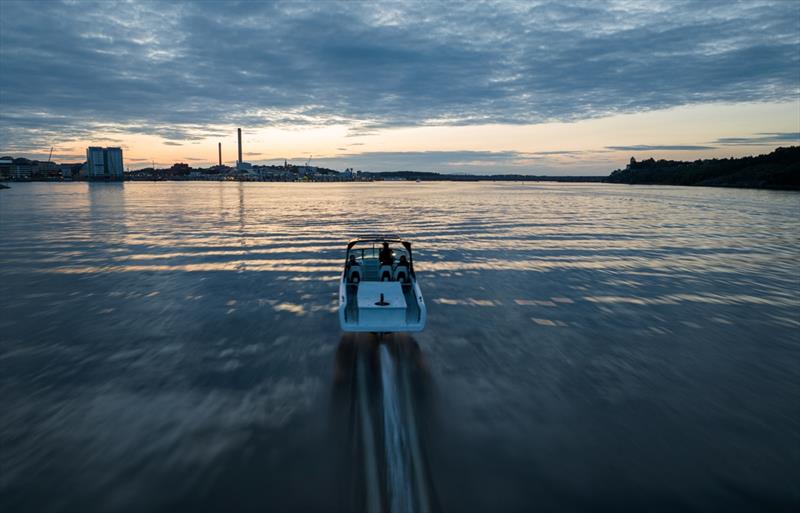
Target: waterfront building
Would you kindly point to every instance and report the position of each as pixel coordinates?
(5, 167)
(179, 169)
(104, 163)
(21, 169)
(70, 171)
(44, 170)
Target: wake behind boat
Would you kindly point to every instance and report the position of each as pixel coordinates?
(378, 291)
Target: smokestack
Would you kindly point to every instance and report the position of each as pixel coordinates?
(240, 144)
(220, 154)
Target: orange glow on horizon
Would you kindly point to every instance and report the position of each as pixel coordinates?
(588, 140)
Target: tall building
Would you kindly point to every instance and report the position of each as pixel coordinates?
(240, 164)
(239, 131)
(104, 163)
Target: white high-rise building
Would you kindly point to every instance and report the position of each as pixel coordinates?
(104, 163)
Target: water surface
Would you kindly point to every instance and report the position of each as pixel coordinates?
(175, 346)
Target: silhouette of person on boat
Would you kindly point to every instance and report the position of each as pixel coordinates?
(385, 256)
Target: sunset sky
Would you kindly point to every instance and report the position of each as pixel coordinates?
(528, 87)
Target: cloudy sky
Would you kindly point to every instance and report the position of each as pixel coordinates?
(479, 87)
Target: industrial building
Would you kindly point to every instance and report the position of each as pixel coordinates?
(240, 164)
(104, 163)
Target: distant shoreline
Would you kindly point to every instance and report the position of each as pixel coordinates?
(569, 179)
(779, 170)
(442, 178)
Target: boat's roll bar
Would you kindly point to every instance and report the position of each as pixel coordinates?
(380, 240)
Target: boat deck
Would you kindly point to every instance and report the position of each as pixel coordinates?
(412, 306)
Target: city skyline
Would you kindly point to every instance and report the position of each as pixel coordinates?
(484, 88)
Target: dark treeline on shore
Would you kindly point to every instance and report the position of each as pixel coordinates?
(777, 170)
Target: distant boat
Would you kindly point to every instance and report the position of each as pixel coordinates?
(418, 180)
(378, 291)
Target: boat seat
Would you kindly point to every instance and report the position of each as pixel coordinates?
(401, 274)
(385, 273)
(354, 274)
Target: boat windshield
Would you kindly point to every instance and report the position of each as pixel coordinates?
(370, 252)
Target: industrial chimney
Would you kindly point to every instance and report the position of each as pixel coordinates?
(220, 154)
(240, 144)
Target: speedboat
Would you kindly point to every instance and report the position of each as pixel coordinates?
(378, 291)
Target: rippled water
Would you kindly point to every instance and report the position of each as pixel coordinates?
(175, 346)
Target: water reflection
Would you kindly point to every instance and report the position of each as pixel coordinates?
(175, 346)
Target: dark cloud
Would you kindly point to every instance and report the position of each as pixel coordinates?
(762, 139)
(665, 147)
(477, 162)
(56, 157)
(172, 143)
(559, 152)
(180, 70)
(64, 157)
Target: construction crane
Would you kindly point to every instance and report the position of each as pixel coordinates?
(308, 162)
(51, 155)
